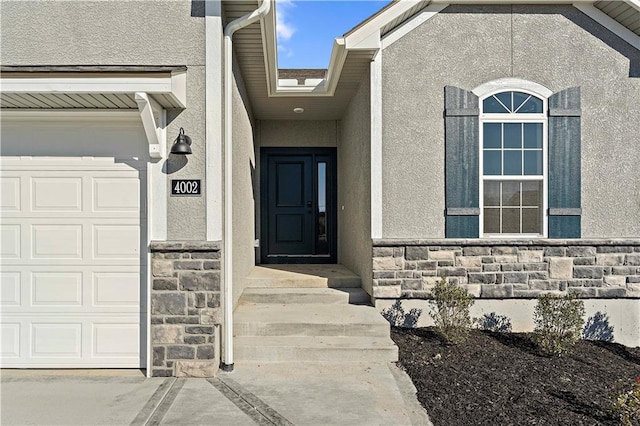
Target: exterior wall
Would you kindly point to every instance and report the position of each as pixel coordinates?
(354, 186)
(243, 202)
(283, 133)
(185, 308)
(508, 268)
(465, 46)
(621, 314)
(124, 33)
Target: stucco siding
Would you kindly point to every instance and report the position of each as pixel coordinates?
(244, 164)
(354, 186)
(289, 133)
(125, 33)
(465, 46)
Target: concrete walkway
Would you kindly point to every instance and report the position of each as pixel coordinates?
(264, 394)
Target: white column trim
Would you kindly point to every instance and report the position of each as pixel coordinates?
(213, 119)
(376, 146)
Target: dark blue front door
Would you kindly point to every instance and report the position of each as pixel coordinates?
(298, 205)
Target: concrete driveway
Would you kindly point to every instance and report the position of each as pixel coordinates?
(267, 394)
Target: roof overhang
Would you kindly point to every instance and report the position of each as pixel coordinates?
(92, 87)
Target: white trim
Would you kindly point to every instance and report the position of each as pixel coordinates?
(172, 85)
(213, 119)
(151, 114)
(510, 83)
(611, 24)
(502, 85)
(376, 146)
(427, 13)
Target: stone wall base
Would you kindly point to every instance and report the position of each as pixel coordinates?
(490, 268)
(185, 308)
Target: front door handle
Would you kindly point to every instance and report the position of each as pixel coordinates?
(309, 204)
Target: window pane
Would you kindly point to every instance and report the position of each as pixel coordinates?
(322, 244)
(518, 99)
(532, 106)
(512, 135)
(492, 137)
(492, 162)
(511, 193)
(492, 221)
(532, 194)
(492, 194)
(505, 98)
(492, 106)
(533, 162)
(533, 135)
(531, 221)
(511, 221)
(513, 163)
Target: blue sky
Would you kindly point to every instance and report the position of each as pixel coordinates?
(306, 28)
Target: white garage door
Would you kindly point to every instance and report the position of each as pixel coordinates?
(73, 244)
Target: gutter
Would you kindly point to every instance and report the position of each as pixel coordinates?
(230, 29)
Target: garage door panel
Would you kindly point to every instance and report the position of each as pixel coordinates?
(60, 241)
(71, 289)
(115, 340)
(56, 340)
(52, 194)
(10, 195)
(116, 241)
(113, 195)
(10, 340)
(10, 285)
(10, 241)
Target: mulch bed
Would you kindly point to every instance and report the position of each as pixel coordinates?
(502, 379)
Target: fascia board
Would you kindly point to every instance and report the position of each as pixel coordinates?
(173, 85)
(364, 35)
(634, 3)
(609, 23)
(270, 50)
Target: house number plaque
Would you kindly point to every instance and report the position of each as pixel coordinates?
(186, 187)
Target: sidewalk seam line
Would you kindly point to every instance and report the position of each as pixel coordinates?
(153, 403)
(166, 403)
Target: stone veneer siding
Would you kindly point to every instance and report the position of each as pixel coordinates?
(499, 269)
(185, 308)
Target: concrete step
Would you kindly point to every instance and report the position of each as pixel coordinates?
(356, 296)
(335, 349)
(310, 276)
(261, 319)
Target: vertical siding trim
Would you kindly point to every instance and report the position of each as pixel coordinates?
(376, 146)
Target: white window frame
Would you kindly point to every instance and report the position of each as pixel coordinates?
(491, 89)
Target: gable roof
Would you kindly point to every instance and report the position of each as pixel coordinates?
(274, 97)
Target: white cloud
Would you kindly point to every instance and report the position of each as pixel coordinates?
(284, 28)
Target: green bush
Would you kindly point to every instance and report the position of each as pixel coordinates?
(626, 405)
(450, 311)
(558, 322)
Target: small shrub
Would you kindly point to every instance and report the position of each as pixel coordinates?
(558, 322)
(450, 311)
(494, 322)
(598, 328)
(626, 405)
(397, 317)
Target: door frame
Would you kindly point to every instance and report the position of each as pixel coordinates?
(332, 210)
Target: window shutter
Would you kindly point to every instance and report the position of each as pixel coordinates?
(564, 164)
(462, 191)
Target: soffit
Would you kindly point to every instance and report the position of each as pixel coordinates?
(622, 12)
(90, 87)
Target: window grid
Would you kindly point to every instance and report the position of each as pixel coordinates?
(521, 118)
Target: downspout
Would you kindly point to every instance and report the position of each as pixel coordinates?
(230, 29)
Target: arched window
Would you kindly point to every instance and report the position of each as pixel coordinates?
(513, 165)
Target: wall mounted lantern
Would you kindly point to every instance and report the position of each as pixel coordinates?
(182, 144)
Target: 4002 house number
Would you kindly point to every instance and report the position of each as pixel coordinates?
(185, 187)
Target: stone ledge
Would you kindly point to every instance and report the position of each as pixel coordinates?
(542, 242)
(184, 246)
